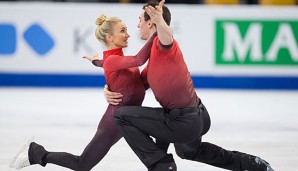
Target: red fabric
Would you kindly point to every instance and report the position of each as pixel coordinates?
(122, 74)
(169, 78)
(120, 78)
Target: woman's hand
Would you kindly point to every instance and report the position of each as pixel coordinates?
(94, 57)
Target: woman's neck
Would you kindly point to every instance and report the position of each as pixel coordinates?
(110, 47)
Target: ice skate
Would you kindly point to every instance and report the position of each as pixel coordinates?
(253, 163)
(31, 153)
(21, 160)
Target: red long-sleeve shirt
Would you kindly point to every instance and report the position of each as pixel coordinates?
(123, 79)
(122, 75)
(169, 78)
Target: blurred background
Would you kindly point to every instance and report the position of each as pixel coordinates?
(226, 43)
(242, 56)
(215, 2)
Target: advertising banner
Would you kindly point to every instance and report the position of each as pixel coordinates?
(233, 47)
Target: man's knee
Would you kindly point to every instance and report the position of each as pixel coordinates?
(189, 155)
(119, 116)
(120, 112)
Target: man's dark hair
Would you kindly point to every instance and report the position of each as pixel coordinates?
(166, 14)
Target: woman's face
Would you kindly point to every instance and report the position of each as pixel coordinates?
(119, 39)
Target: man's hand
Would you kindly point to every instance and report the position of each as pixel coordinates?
(94, 57)
(112, 98)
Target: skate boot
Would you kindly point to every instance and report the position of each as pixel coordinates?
(164, 167)
(165, 164)
(21, 159)
(30, 154)
(253, 163)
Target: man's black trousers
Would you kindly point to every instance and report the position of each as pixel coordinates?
(183, 127)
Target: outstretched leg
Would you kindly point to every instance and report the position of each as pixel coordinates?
(216, 156)
(105, 137)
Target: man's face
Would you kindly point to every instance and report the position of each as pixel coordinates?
(143, 27)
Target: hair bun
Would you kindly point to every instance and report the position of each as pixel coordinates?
(101, 19)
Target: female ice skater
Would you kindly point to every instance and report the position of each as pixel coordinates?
(120, 77)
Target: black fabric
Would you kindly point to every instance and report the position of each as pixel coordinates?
(105, 137)
(167, 159)
(36, 154)
(139, 123)
(185, 130)
(64, 159)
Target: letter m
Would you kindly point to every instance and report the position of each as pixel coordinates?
(237, 46)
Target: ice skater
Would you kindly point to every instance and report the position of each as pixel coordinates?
(121, 76)
(183, 119)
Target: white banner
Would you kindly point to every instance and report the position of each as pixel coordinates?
(216, 40)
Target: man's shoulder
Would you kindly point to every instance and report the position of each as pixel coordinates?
(159, 46)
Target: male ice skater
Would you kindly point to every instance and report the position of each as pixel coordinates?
(182, 119)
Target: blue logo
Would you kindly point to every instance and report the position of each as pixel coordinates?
(36, 36)
(8, 39)
(38, 39)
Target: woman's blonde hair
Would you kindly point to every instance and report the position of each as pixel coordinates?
(104, 27)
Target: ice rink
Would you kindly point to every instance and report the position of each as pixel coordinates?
(263, 123)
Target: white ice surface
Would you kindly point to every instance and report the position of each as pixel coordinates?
(263, 123)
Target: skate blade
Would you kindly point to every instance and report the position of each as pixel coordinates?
(260, 160)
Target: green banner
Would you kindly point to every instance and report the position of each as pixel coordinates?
(256, 42)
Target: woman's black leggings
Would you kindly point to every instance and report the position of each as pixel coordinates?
(105, 137)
